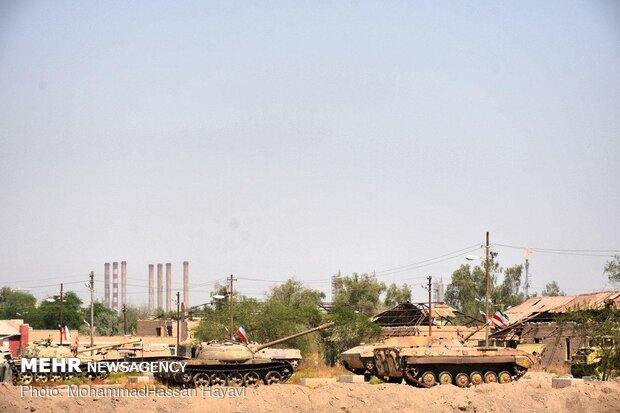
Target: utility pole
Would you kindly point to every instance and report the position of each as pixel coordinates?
(488, 274)
(178, 320)
(124, 319)
(230, 291)
(62, 312)
(527, 278)
(430, 301)
(92, 310)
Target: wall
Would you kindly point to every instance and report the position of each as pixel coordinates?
(556, 337)
(168, 328)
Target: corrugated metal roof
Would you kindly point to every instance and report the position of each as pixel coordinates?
(442, 310)
(561, 304)
(10, 327)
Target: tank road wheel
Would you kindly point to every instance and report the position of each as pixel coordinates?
(428, 379)
(218, 379)
(370, 365)
(25, 377)
(42, 377)
(183, 377)
(55, 376)
(462, 380)
(251, 379)
(476, 378)
(294, 363)
(90, 375)
(445, 377)
(273, 377)
(490, 377)
(235, 379)
(68, 375)
(504, 377)
(201, 379)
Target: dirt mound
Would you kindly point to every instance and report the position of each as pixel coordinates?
(533, 393)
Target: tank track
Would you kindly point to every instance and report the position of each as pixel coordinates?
(461, 375)
(29, 377)
(233, 375)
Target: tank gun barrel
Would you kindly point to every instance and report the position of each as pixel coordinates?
(96, 348)
(303, 333)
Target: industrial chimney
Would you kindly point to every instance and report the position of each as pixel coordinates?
(124, 282)
(160, 286)
(115, 285)
(168, 287)
(186, 285)
(151, 289)
(106, 282)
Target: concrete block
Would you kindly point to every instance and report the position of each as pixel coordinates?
(316, 382)
(348, 378)
(139, 379)
(561, 382)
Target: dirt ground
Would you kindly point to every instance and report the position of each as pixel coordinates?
(533, 393)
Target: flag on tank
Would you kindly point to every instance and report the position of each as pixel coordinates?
(241, 333)
(66, 333)
(502, 318)
(489, 320)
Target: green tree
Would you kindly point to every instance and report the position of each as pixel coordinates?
(552, 289)
(107, 321)
(295, 294)
(612, 269)
(467, 290)
(16, 304)
(47, 315)
(395, 295)
(360, 292)
(602, 328)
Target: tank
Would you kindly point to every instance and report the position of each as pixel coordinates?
(440, 361)
(46, 348)
(234, 364)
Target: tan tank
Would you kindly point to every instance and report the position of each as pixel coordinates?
(449, 362)
(46, 348)
(235, 364)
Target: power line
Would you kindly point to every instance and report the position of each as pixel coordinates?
(462, 250)
(584, 253)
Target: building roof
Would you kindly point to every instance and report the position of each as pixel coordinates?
(538, 306)
(10, 328)
(410, 314)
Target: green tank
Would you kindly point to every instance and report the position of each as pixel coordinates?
(235, 364)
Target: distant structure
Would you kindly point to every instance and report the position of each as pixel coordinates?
(124, 283)
(160, 286)
(186, 285)
(106, 270)
(438, 291)
(115, 285)
(168, 287)
(151, 288)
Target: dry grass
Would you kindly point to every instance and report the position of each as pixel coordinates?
(320, 371)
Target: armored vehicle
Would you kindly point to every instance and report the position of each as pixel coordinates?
(235, 364)
(588, 360)
(441, 361)
(46, 349)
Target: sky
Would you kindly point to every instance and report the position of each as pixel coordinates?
(297, 139)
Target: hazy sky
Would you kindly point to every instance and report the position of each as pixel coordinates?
(277, 139)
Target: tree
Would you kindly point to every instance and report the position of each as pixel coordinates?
(47, 315)
(612, 269)
(467, 290)
(295, 294)
(552, 289)
(601, 327)
(360, 292)
(107, 321)
(16, 304)
(395, 295)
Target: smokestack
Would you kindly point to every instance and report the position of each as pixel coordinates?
(115, 285)
(168, 287)
(124, 282)
(151, 289)
(186, 285)
(106, 281)
(160, 286)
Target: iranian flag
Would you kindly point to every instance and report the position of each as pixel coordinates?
(502, 318)
(242, 334)
(489, 320)
(66, 333)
